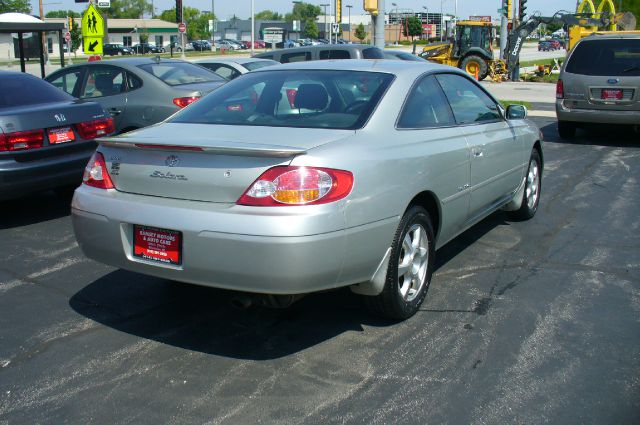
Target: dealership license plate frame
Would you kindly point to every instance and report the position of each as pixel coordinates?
(611, 94)
(152, 251)
(56, 133)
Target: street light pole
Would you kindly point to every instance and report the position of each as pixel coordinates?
(348, 6)
(324, 6)
(429, 25)
(253, 24)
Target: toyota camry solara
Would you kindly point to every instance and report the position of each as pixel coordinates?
(310, 176)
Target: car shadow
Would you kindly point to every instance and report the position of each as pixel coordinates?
(35, 208)
(203, 319)
(595, 134)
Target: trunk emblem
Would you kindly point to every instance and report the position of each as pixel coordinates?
(613, 80)
(172, 160)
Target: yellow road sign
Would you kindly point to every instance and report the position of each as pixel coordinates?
(92, 22)
(92, 45)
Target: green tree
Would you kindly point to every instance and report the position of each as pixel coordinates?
(360, 33)
(76, 33)
(131, 9)
(62, 14)
(268, 15)
(302, 12)
(197, 22)
(310, 29)
(17, 6)
(412, 28)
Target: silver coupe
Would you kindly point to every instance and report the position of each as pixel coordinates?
(311, 176)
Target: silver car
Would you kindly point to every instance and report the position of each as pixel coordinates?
(600, 83)
(234, 67)
(311, 176)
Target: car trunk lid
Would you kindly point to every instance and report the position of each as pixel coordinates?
(217, 164)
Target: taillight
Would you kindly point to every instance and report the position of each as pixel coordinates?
(96, 174)
(91, 129)
(281, 186)
(559, 90)
(21, 140)
(181, 102)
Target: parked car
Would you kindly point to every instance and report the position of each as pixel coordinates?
(226, 45)
(544, 46)
(402, 55)
(137, 91)
(201, 45)
(46, 135)
(238, 44)
(323, 51)
(311, 176)
(144, 48)
(257, 44)
(600, 83)
(234, 67)
(555, 44)
(175, 46)
(114, 49)
(291, 43)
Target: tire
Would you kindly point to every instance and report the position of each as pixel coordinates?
(532, 189)
(567, 130)
(400, 298)
(473, 62)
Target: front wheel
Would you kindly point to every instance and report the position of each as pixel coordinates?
(532, 187)
(475, 65)
(410, 268)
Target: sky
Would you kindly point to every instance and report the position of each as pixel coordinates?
(242, 8)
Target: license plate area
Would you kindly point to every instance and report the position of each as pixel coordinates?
(611, 94)
(61, 135)
(157, 245)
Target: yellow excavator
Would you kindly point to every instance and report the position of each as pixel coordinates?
(471, 49)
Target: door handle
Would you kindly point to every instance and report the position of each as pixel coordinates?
(115, 111)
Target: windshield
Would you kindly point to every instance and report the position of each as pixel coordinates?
(24, 89)
(177, 73)
(606, 57)
(293, 98)
(252, 66)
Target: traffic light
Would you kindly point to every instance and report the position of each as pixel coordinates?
(522, 10)
(178, 11)
(338, 11)
(71, 23)
(371, 6)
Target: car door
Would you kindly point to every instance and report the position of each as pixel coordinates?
(107, 85)
(427, 124)
(496, 151)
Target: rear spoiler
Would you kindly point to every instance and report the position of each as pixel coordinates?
(209, 146)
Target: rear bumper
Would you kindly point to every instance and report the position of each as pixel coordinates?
(18, 178)
(596, 115)
(232, 247)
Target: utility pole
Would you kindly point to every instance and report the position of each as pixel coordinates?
(379, 25)
(349, 21)
(324, 6)
(504, 28)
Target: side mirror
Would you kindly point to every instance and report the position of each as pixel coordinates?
(516, 112)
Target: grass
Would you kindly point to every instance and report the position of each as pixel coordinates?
(552, 78)
(549, 62)
(506, 103)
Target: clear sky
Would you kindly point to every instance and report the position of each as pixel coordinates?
(242, 8)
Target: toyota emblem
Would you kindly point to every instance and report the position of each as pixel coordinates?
(172, 160)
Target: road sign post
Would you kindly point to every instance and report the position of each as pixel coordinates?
(182, 27)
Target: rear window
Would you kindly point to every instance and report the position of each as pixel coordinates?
(295, 57)
(372, 53)
(22, 90)
(335, 54)
(177, 73)
(606, 57)
(312, 99)
(252, 66)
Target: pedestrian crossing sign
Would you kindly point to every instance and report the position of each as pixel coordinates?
(92, 22)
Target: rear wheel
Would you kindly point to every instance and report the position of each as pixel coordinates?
(410, 268)
(473, 65)
(567, 130)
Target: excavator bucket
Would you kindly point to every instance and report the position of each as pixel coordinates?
(626, 21)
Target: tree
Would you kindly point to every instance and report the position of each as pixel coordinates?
(310, 29)
(76, 33)
(302, 12)
(197, 22)
(412, 27)
(16, 6)
(268, 15)
(132, 9)
(62, 14)
(360, 33)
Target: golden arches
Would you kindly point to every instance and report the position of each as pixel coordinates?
(591, 9)
(584, 4)
(612, 10)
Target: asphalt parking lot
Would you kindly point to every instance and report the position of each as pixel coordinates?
(525, 323)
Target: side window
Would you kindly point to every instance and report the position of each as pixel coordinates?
(426, 107)
(103, 81)
(334, 54)
(133, 82)
(295, 57)
(68, 81)
(226, 72)
(469, 103)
